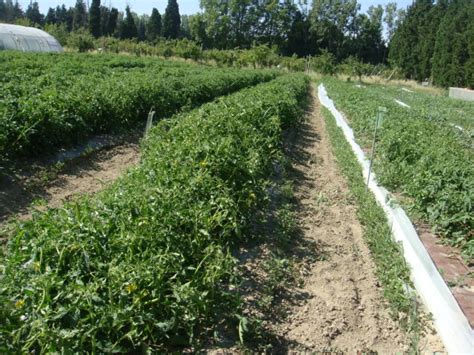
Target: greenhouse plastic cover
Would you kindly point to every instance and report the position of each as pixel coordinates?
(451, 323)
(27, 39)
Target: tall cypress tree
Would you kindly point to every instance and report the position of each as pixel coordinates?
(80, 15)
(94, 19)
(453, 53)
(407, 43)
(129, 28)
(112, 21)
(154, 25)
(172, 20)
(51, 17)
(33, 14)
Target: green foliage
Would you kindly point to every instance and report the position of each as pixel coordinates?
(81, 40)
(171, 20)
(94, 19)
(145, 265)
(354, 67)
(128, 29)
(324, 64)
(154, 25)
(420, 154)
(58, 31)
(79, 15)
(434, 42)
(99, 94)
(452, 53)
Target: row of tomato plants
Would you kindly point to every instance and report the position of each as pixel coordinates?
(47, 106)
(146, 264)
(420, 155)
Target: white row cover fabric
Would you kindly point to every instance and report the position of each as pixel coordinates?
(27, 39)
(451, 323)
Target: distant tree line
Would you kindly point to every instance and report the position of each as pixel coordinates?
(436, 41)
(429, 40)
(331, 26)
(99, 20)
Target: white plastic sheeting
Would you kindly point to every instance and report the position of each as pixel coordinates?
(401, 103)
(27, 39)
(451, 323)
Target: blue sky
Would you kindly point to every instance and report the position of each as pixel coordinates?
(186, 7)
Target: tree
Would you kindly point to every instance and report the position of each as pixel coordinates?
(9, 11)
(197, 29)
(153, 30)
(332, 23)
(412, 44)
(393, 18)
(274, 20)
(34, 15)
(453, 53)
(367, 44)
(112, 21)
(141, 27)
(185, 30)
(80, 15)
(51, 17)
(65, 16)
(172, 20)
(298, 41)
(95, 19)
(129, 28)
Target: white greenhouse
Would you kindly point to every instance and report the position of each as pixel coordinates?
(27, 39)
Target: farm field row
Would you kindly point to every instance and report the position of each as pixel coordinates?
(146, 263)
(438, 108)
(418, 154)
(50, 101)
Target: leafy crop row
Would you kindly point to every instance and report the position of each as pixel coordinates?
(146, 263)
(420, 155)
(438, 108)
(49, 101)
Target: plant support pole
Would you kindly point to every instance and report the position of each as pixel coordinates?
(149, 122)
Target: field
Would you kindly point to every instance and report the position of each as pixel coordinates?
(420, 152)
(245, 226)
(48, 102)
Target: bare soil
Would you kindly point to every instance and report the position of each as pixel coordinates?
(335, 302)
(345, 309)
(40, 187)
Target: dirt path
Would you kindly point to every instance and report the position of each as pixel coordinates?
(84, 175)
(344, 308)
